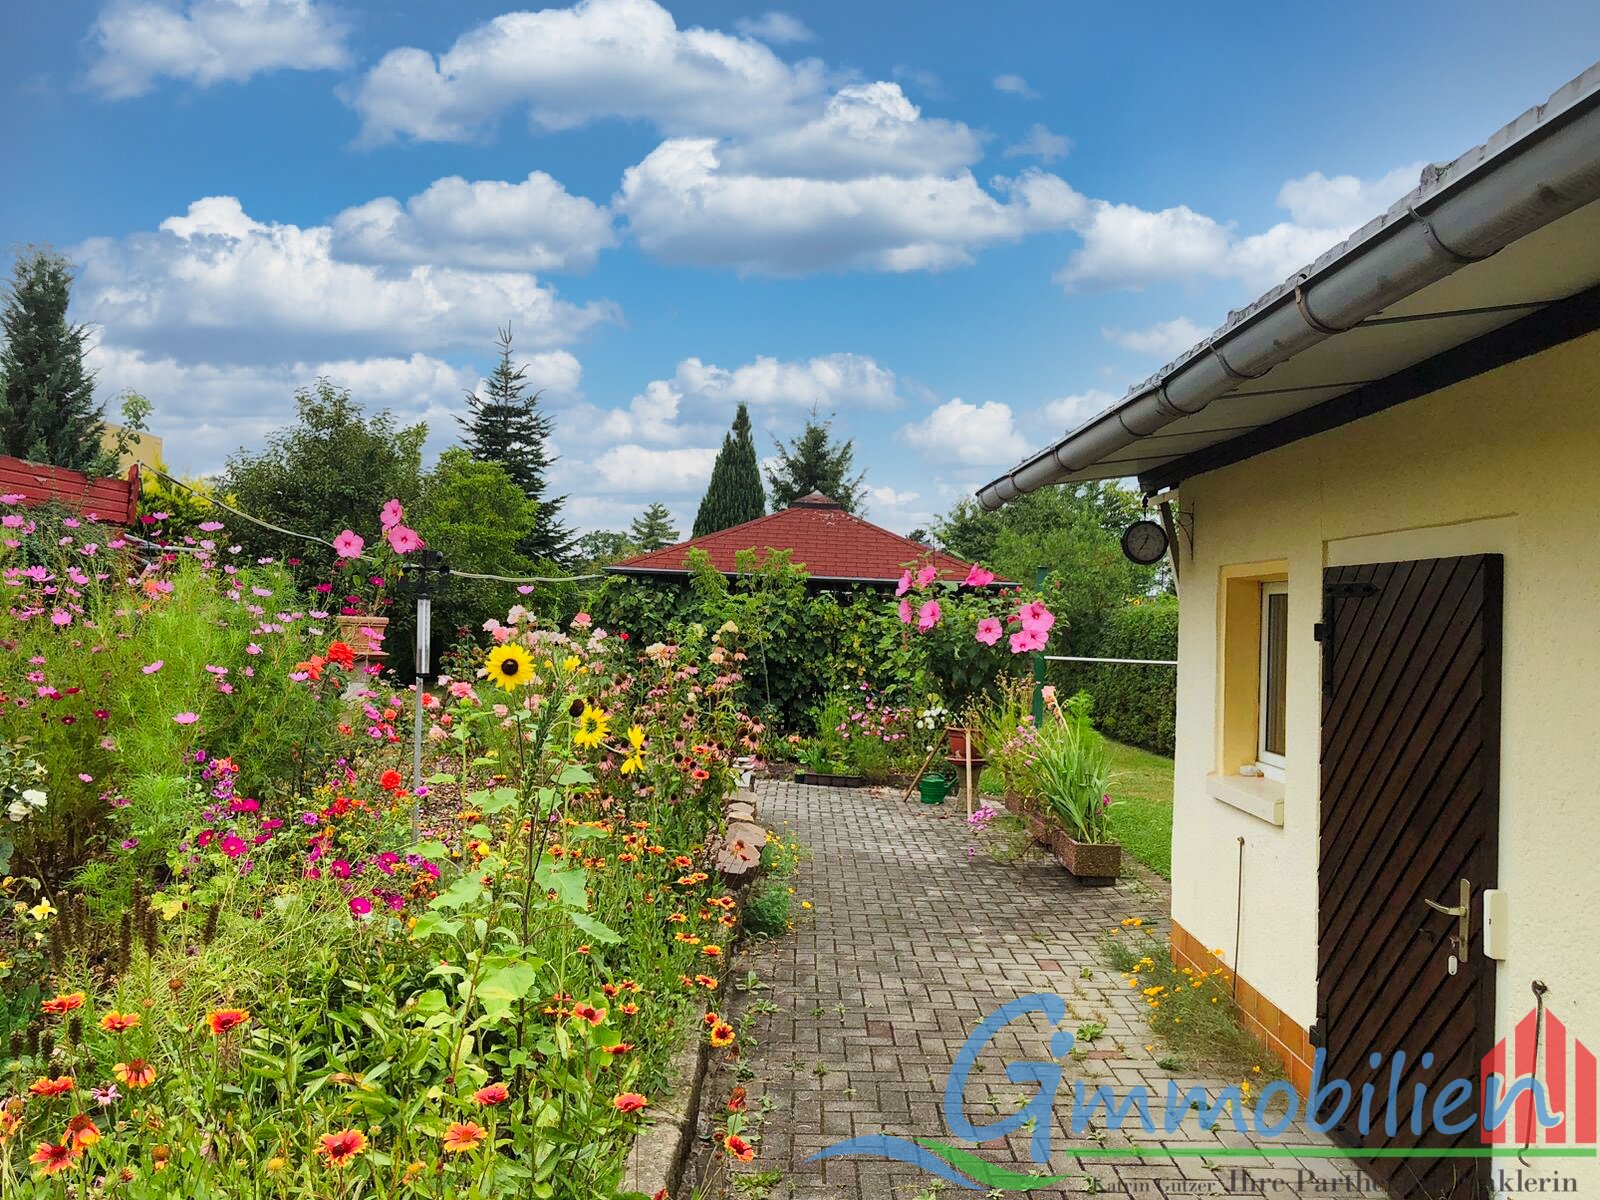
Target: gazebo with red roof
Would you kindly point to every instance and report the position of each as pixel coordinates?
(834, 547)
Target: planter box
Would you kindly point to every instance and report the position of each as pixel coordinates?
(1040, 828)
(825, 780)
(367, 647)
(1095, 864)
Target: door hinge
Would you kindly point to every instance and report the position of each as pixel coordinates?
(1319, 631)
(1317, 1035)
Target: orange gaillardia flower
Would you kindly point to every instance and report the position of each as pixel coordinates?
(342, 1147)
(47, 1088)
(722, 1034)
(464, 1136)
(627, 1102)
(736, 1100)
(81, 1132)
(51, 1158)
(739, 1148)
(115, 1022)
(589, 1013)
(135, 1073)
(495, 1093)
(159, 1157)
(225, 1019)
(62, 1004)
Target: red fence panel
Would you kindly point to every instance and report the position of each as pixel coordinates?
(112, 500)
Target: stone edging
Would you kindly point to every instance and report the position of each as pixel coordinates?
(660, 1150)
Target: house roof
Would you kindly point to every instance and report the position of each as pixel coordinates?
(1505, 238)
(834, 546)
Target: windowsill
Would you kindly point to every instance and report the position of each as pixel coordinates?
(1260, 797)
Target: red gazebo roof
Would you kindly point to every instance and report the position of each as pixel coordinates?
(834, 546)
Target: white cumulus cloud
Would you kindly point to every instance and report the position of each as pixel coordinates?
(534, 225)
(645, 471)
(204, 42)
(972, 434)
(1164, 339)
(566, 66)
(775, 28)
(1014, 85)
(219, 285)
(1041, 144)
(1069, 412)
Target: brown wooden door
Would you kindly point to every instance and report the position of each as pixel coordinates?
(1410, 804)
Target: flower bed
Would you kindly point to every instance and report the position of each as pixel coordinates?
(229, 965)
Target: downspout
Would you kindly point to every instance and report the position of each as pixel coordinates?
(1524, 179)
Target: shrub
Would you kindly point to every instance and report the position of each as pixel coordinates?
(1133, 704)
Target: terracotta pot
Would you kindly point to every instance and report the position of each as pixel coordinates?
(957, 735)
(368, 647)
(1096, 864)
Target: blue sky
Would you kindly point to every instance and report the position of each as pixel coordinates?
(959, 227)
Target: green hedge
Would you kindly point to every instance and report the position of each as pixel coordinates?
(1133, 704)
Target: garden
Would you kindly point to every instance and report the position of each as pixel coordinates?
(244, 953)
(248, 950)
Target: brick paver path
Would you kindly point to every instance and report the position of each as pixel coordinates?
(908, 946)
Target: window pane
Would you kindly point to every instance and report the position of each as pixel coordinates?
(1276, 653)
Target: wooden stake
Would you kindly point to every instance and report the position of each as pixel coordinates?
(915, 779)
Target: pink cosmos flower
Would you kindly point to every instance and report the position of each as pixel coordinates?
(210, 526)
(152, 668)
(1036, 616)
(905, 612)
(1027, 640)
(60, 617)
(391, 515)
(348, 544)
(978, 577)
(404, 539)
(186, 718)
(989, 631)
(927, 574)
(360, 906)
(904, 585)
(233, 845)
(928, 616)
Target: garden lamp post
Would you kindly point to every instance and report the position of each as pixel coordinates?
(425, 577)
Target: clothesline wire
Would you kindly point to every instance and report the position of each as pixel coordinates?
(311, 537)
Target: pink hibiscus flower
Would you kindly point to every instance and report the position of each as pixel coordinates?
(1026, 640)
(905, 612)
(978, 577)
(1036, 616)
(404, 539)
(392, 514)
(904, 586)
(989, 631)
(927, 574)
(348, 544)
(928, 616)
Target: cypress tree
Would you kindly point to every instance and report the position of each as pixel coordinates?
(813, 462)
(47, 408)
(735, 494)
(653, 528)
(506, 426)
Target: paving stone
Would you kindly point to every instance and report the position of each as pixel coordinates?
(918, 943)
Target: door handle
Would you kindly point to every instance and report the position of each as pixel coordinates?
(1461, 912)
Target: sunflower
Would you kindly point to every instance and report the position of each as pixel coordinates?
(510, 667)
(592, 726)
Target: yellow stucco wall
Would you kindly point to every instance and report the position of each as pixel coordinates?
(1506, 463)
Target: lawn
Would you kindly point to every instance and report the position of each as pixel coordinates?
(1141, 787)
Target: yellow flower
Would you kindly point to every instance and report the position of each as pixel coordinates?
(571, 663)
(42, 910)
(592, 727)
(277, 1164)
(510, 667)
(636, 736)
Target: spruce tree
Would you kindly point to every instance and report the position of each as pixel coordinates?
(47, 408)
(813, 462)
(735, 494)
(506, 426)
(653, 529)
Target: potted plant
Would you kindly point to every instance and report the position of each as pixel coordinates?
(1073, 771)
(361, 620)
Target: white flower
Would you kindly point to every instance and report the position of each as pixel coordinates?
(17, 810)
(34, 797)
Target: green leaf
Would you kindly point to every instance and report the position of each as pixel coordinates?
(465, 890)
(568, 883)
(500, 989)
(598, 930)
(573, 774)
(493, 802)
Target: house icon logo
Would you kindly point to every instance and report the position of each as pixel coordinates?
(1542, 1083)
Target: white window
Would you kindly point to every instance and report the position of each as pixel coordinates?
(1270, 734)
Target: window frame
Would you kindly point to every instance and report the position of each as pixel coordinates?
(1271, 764)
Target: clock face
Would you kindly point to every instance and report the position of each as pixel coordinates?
(1144, 542)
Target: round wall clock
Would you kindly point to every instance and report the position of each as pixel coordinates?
(1144, 542)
